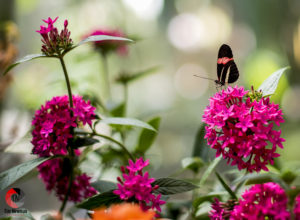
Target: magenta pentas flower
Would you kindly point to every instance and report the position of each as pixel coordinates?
(217, 212)
(107, 46)
(54, 121)
(55, 43)
(137, 185)
(242, 129)
(262, 201)
(221, 210)
(297, 208)
(55, 175)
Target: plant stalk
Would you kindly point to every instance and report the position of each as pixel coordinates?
(106, 74)
(67, 80)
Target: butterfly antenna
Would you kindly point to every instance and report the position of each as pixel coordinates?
(203, 77)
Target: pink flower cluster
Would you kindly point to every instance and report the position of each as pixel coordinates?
(55, 175)
(261, 201)
(54, 121)
(241, 130)
(137, 185)
(107, 46)
(55, 43)
(221, 210)
(217, 212)
(297, 208)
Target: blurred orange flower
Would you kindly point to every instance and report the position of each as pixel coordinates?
(125, 211)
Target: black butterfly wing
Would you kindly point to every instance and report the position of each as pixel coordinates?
(228, 72)
(233, 72)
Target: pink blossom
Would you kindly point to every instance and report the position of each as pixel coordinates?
(107, 46)
(243, 131)
(218, 211)
(297, 208)
(260, 202)
(55, 43)
(53, 123)
(137, 185)
(55, 175)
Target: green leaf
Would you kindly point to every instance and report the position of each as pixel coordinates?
(169, 186)
(127, 78)
(24, 59)
(102, 38)
(288, 176)
(99, 200)
(192, 163)
(147, 136)
(104, 185)
(292, 193)
(209, 170)
(269, 86)
(226, 187)
(119, 110)
(208, 197)
(23, 145)
(254, 178)
(82, 142)
(10, 176)
(127, 122)
(200, 147)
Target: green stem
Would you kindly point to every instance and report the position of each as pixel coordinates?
(63, 205)
(71, 151)
(110, 139)
(67, 80)
(125, 98)
(106, 74)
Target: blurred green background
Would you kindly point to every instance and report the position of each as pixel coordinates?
(180, 36)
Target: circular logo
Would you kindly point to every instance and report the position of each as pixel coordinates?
(15, 198)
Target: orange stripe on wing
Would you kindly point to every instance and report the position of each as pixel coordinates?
(224, 60)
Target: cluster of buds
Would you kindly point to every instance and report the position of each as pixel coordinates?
(55, 43)
(254, 95)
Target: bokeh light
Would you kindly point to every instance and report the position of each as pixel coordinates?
(291, 103)
(146, 9)
(187, 85)
(209, 27)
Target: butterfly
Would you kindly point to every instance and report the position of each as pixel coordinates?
(227, 70)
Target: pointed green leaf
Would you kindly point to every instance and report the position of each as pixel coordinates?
(147, 136)
(226, 187)
(24, 59)
(169, 186)
(23, 145)
(10, 176)
(192, 163)
(102, 38)
(127, 122)
(200, 147)
(260, 178)
(209, 170)
(104, 185)
(99, 200)
(269, 86)
(82, 142)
